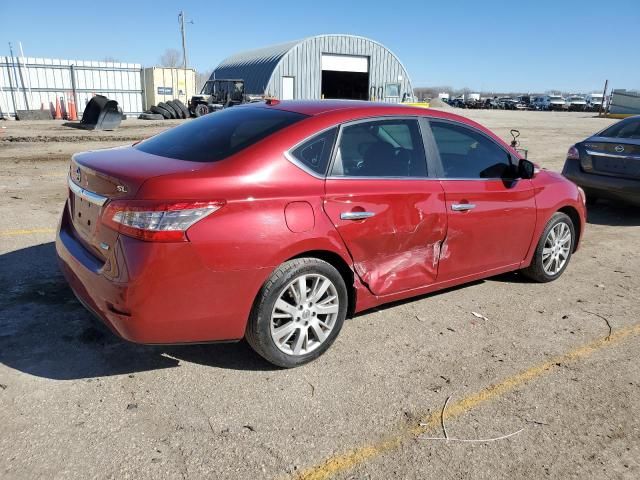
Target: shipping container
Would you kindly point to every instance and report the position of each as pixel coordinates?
(164, 84)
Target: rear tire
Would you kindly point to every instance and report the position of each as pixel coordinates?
(553, 251)
(200, 110)
(289, 328)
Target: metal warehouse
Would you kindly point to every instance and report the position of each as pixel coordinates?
(323, 66)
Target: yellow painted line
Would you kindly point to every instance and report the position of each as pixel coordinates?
(11, 233)
(346, 461)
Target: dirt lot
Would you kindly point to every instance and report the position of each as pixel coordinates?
(76, 402)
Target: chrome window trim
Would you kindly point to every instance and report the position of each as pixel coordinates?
(612, 155)
(374, 118)
(289, 156)
(381, 178)
(90, 197)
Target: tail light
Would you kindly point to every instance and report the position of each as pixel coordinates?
(573, 153)
(156, 222)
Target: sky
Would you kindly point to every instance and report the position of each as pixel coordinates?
(566, 45)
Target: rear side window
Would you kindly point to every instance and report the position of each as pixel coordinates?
(624, 129)
(218, 135)
(381, 148)
(315, 152)
(465, 153)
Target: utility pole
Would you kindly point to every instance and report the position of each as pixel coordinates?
(184, 42)
(604, 95)
(184, 51)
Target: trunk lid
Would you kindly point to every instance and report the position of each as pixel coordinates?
(95, 177)
(614, 157)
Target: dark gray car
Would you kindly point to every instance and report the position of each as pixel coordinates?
(607, 164)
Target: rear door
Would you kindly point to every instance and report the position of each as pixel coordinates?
(491, 215)
(389, 213)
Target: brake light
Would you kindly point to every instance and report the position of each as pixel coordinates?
(573, 153)
(156, 222)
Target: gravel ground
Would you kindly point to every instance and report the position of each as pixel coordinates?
(77, 402)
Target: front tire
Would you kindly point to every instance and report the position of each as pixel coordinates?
(554, 249)
(298, 312)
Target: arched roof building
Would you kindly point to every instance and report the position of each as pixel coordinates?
(323, 66)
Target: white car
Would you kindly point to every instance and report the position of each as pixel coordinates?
(549, 102)
(594, 100)
(576, 103)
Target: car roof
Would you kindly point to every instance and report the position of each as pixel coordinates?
(346, 110)
(359, 109)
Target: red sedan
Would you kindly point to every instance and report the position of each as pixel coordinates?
(274, 221)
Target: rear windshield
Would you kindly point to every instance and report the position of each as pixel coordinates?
(218, 135)
(624, 129)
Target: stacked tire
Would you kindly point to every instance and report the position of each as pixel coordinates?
(173, 109)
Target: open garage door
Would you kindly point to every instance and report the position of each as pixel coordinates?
(345, 76)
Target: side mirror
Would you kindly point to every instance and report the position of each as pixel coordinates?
(526, 169)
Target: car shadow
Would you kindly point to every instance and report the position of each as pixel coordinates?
(606, 212)
(45, 332)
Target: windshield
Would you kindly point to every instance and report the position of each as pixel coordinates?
(207, 89)
(556, 99)
(628, 128)
(218, 135)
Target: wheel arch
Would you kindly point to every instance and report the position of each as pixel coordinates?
(336, 261)
(573, 214)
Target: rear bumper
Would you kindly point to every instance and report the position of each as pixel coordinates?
(160, 293)
(614, 188)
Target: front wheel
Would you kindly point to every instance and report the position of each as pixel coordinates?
(554, 249)
(298, 313)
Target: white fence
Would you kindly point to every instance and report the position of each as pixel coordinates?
(34, 83)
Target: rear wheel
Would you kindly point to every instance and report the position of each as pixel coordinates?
(200, 110)
(554, 249)
(298, 313)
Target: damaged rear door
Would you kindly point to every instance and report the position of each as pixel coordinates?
(390, 215)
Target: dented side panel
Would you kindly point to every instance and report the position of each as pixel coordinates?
(398, 247)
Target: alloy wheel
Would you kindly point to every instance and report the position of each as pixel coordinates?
(556, 249)
(304, 314)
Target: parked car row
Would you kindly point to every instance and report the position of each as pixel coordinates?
(573, 103)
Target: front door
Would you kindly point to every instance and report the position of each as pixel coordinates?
(391, 217)
(491, 215)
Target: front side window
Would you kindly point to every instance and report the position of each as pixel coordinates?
(316, 152)
(381, 148)
(466, 153)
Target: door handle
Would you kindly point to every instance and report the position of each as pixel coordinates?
(356, 215)
(462, 207)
